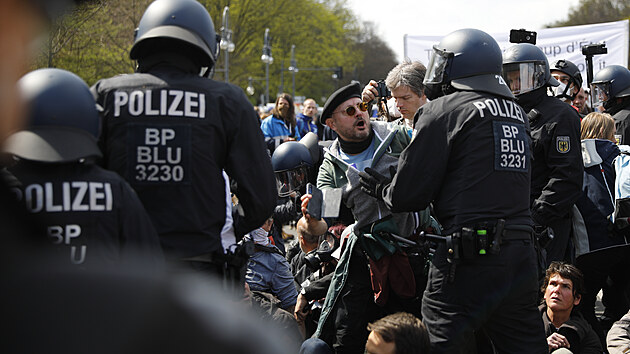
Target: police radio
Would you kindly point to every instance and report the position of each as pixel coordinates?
(522, 36)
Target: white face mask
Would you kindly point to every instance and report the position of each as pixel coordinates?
(559, 90)
(260, 236)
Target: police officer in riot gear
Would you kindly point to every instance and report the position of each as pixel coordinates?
(52, 307)
(293, 167)
(90, 214)
(470, 157)
(569, 78)
(557, 166)
(171, 132)
(611, 88)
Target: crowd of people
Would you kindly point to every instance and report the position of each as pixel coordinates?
(564, 151)
(475, 204)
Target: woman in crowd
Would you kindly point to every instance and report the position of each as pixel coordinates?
(606, 254)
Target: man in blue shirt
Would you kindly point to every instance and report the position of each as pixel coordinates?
(305, 123)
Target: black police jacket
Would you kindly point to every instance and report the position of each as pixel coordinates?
(90, 215)
(621, 115)
(170, 133)
(470, 157)
(557, 167)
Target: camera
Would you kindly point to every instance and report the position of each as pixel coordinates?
(323, 254)
(594, 49)
(522, 36)
(382, 89)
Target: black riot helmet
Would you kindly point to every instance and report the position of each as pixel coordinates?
(185, 21)
(467, 59)
(610, 83)
(570, 79)
(62, 123)
(526, 68)
(291, 162)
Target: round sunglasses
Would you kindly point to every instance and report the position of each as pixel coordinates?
(352, 110)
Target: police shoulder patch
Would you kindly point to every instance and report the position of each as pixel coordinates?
(563, 144)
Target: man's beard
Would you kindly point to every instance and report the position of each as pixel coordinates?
(358, 135)
(355, 147)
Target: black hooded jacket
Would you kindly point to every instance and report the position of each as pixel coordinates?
(171, 133)
(621, 114)
(557, 169)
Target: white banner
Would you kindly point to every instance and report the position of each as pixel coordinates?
(556, 43)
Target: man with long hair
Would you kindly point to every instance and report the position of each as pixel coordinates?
(280, 126)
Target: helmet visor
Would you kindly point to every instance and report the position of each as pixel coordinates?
(437, 66)
(524, 77)
(601, 92)
(328, 243)
(291, 180)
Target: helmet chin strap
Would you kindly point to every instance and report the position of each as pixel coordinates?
(217, 51)
(207, 72)
(565, 92)
(559, 92)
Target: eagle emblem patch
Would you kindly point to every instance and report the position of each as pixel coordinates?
(562, 144)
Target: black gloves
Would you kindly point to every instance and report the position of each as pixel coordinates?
(373, 182)
(544, 235)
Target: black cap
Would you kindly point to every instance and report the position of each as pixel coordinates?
(338, 97)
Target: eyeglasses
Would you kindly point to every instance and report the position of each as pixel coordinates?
(351, 110)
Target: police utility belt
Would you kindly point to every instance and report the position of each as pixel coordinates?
(480, 240)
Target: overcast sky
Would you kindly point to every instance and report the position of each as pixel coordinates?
(395, 18)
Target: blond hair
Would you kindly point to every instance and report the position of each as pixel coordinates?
(598, 126)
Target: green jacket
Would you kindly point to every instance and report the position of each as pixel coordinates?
(390, 140)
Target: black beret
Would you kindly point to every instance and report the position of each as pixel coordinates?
(338, 97)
